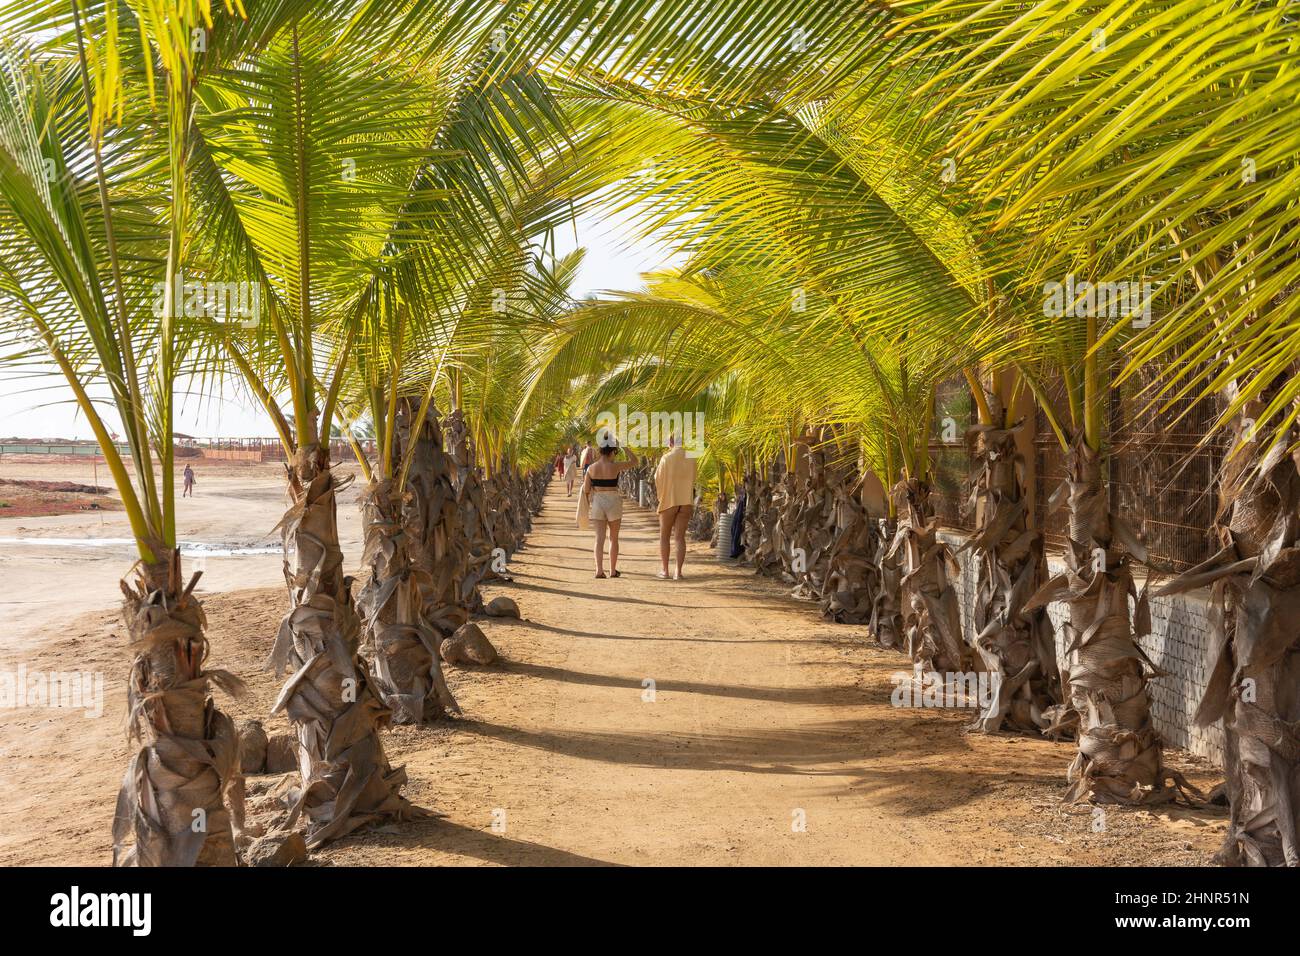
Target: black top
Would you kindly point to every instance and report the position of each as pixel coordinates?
(605, 482)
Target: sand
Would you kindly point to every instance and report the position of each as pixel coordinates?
(768, 737)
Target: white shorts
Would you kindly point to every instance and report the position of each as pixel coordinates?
(607, 505)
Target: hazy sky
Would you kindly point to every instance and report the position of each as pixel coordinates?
(43, 407)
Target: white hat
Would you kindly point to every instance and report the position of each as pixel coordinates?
(605, 438)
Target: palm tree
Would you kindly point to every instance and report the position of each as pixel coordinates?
(308, 154)
(441, 548)
(807, 520)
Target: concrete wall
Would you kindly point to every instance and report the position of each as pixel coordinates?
(233, 454)
(1179, 644)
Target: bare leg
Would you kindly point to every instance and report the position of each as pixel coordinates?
(665, 536)
(680, 520)
(613, 545)
(600, 547)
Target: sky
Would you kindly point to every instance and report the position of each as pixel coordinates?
(42, 407)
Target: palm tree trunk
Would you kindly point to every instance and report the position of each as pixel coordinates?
(497, 512)
(1120, 754)
(346, 779)
(886, 612)
(814, 531)
(513, 508)
(182, 798)
(520, 499)
(703, 525)
(439, 548)
(752, 521)
(852, 577)
(475, 560)
(787, 511)
(931, 614)
(399, 644)
(1016, 645)
(1254, 684)
(761, 544)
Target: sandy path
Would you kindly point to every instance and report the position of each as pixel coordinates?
(763, 716)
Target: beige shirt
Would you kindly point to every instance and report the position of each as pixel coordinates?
(675, 479)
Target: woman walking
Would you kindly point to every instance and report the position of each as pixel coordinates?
(600, 487)
(675, 485)
(570, 469)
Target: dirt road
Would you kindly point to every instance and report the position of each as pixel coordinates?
(634, 721)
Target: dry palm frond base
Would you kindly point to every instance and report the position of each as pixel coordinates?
(759, 532)
(438, 544)
(1014, 643)
(399, 645)
(931, 615)
(633, 480)
(853, 577)
(476, 558)
(805, 531)
(886, 626)
(465, 522)
(704, 522)
(181, 801)
(702, 525)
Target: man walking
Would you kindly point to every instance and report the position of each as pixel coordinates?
(675, 485)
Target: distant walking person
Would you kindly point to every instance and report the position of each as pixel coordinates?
(587, 456)
(187, 491)
(600, 487)
(570, 469)
(675, 485)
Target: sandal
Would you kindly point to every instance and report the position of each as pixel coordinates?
(662, 575)
(616, 574)
(600, 574)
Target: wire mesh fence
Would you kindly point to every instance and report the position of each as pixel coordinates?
(949, 461)
(1162, 475)
(950, 466)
